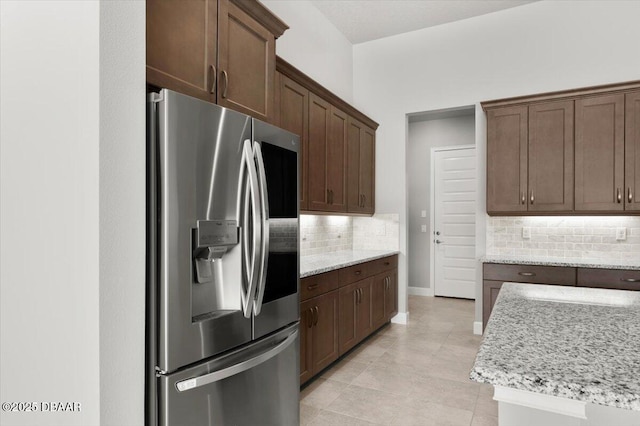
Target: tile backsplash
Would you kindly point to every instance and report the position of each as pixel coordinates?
(379, 232)
(321, 234)
(564, 237)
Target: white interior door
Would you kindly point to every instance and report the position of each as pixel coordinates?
(454, 233)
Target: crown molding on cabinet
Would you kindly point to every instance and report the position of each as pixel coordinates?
(301, 78)
(260, 13)
(562, 94)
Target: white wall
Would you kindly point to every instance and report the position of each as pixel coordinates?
(540, 47)
(72, 210)
(424, 135)
(315, 46)
(122, 212)
(49, 209)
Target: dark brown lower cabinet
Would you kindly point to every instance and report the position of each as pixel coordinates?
(341, 308)
(319, 334)
(355, 314)
(391, 296)
(384, 298)
(494, 275)
(490, 290)
(616, 279)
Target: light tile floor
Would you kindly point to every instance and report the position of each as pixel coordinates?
(414, 374)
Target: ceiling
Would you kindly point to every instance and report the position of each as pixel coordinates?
(365, 20)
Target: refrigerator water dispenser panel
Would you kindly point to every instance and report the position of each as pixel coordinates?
(212, 238)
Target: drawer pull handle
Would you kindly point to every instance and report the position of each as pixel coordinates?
(312, 286)
(387, 263)
(358, 272)
(527, 274)
(630, 280)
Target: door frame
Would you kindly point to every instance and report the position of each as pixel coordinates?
(432, 209)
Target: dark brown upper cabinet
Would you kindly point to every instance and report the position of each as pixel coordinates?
(550, 178)
(220, 51)
(182, 45)
(327, 156)
(360, 167)
(530, 158)
(338, 154)
(293, 115)
(337, 160)
(569, 152)
(507, 159)
(600, 153)
(632, 152)
(319, 122)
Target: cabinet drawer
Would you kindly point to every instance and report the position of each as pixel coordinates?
(356, 273)
(384, 264)
(318, 284)
(619, 279)
(530, 274)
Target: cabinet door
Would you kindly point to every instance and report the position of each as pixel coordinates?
(490, 290)
(507, 159)
(632, 152)
(246, 63)
(550, 166)
(378, 296)
(294, 117)
(337, 161)
(391, 296)
(181, 45)
(306, 340)
(360, 168)
(319, 119)
(325, 330)
(354, 196)
(364, 323)
(347, 335)
(368, 170)
(599, 153)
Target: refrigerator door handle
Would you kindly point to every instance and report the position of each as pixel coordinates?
(222, 374)
(264, 198)
(251, 201)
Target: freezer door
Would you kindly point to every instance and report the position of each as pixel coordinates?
(255, 385)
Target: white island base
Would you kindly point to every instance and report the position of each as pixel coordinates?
(523, 408)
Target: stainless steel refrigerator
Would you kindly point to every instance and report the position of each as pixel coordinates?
(223, 262)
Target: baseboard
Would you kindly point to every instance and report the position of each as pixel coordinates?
(419, 291)
(477, 327)
(401, 318)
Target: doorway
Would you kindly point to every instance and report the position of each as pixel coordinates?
(453, 221)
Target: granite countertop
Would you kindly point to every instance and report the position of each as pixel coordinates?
(549, 261)
(572, 342)
(319, 263)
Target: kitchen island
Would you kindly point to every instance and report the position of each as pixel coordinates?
(563, 356)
